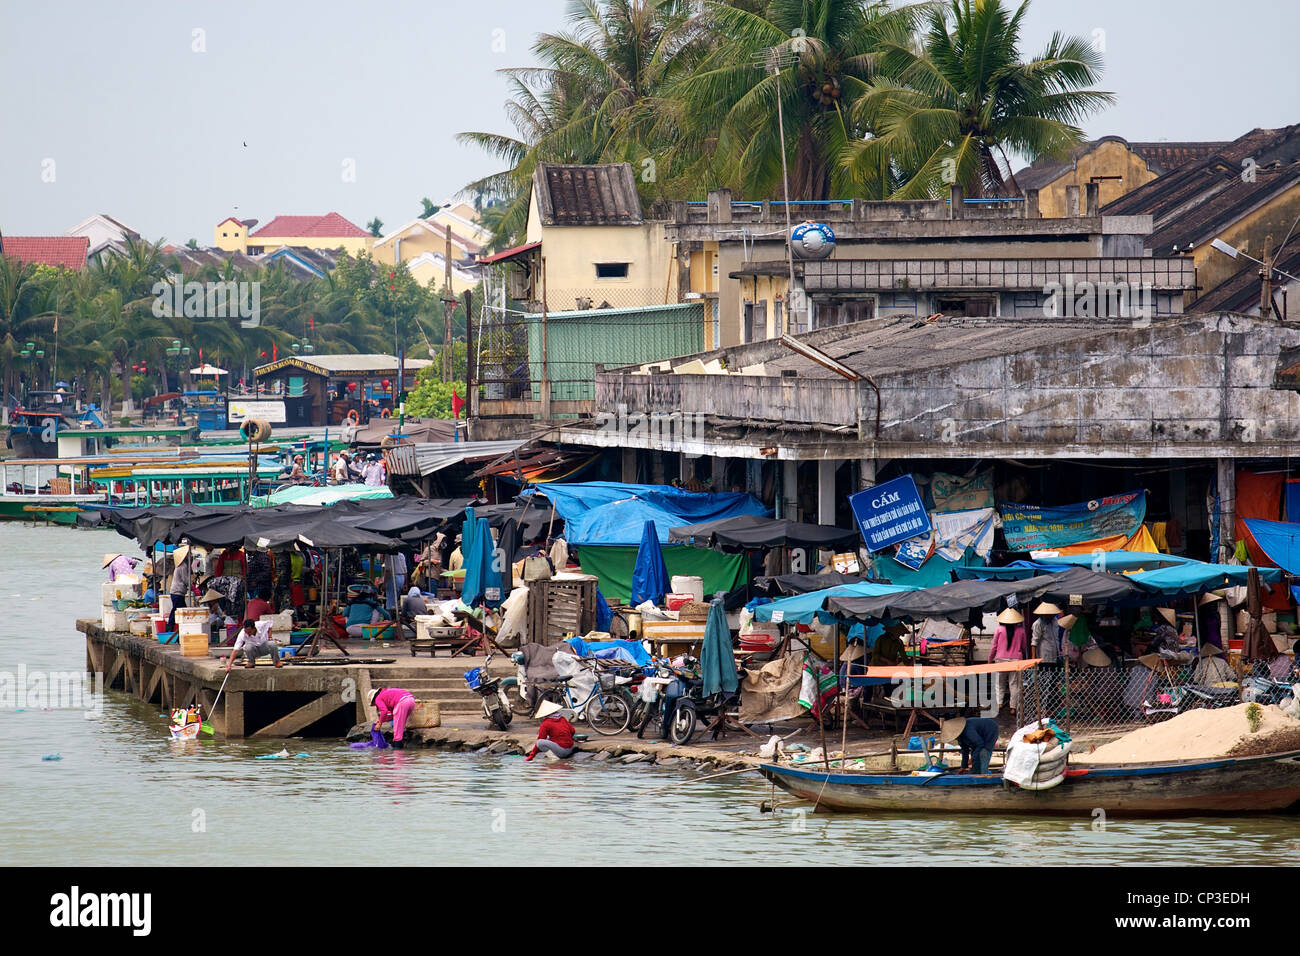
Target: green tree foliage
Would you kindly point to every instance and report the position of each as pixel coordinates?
(878, 100)
(431, 397)
(952, 110)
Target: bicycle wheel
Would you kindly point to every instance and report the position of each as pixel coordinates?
(523, 703)
(682, 727)
(608, 713)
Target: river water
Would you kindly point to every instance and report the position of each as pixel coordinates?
(124, 793)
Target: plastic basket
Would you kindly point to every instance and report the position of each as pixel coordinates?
(608, 681)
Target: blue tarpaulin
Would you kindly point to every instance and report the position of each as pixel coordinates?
(482, 575)
(804, 608)
(717, 662)
(609, 512)
(633, 652)
(1280, 540)
(1117, 560)
(650, 574)
(1197, 578)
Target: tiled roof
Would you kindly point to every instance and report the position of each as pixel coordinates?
(329, 226)
(1160, 157)
(66, 252)
(598, 195)
(1240, 292)
(1200, 199)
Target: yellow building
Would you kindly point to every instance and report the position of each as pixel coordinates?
(330, 231)
(1117, 167)
(462, 219)
(598, 249)
(422, 244)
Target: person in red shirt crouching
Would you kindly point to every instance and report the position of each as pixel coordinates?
(555, 734)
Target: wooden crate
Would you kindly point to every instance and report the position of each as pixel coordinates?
(560, 607)
(60, 486)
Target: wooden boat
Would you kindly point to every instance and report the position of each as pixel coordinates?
(1263, 784)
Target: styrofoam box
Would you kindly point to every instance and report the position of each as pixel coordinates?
(114, 620)
(128, 587)
(193, 615)
(192, 627)
(689, 584)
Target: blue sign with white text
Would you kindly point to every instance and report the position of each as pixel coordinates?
(890, 513)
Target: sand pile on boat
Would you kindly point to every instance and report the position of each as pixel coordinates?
(1201, 735)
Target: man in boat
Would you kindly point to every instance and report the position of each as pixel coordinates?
(254, 641)
(976, 736)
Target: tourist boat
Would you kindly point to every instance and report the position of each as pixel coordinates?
(1264, 784)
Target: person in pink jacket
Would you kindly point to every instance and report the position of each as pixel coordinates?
(1009, 642)
(395, 704)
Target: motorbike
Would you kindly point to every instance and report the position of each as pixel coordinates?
(665, 697)
(496, 700)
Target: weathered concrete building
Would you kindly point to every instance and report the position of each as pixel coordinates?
(1064, 409)
(956, 256)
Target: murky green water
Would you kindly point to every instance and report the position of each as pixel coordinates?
(124, 793)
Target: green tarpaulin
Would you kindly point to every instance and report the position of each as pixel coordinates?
(613, 565)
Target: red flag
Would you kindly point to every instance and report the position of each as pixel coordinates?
(273, 351)
(457, 403)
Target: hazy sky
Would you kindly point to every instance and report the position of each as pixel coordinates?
(132, 113)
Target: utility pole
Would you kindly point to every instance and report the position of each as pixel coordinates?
(773, 60)
(448, 305)
(545, 389)
(471, 360)
(1266, 283)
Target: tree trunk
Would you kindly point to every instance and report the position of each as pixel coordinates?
(127, 404)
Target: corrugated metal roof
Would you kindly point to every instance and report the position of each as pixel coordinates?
(424, 458)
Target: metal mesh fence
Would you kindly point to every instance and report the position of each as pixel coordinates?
(518, 350)
(1127, 694)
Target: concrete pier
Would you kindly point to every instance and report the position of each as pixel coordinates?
(297, 700)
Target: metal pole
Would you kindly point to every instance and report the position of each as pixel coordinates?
(546, 371)
(785, 181)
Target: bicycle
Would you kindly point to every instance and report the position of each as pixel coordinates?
(607, 708)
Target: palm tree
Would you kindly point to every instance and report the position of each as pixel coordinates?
(596, 98)
(950, 112)
(429, 207)
(19, 291)
(818, 58)
(376, 227)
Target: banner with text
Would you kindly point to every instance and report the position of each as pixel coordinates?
(1028, 527)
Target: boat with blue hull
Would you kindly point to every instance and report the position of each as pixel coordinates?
(1257, 784)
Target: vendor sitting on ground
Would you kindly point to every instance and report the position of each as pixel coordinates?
(362, 611)
(395, 704)
(1213, 669)
(888, 649)
(977, 736)
(414, 603)
(555, 733)
(253, 642)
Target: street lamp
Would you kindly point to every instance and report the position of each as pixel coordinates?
(773, 60)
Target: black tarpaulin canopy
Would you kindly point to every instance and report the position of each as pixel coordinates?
(747, 532)
(322, 533)
(959, 599)
(803, 583)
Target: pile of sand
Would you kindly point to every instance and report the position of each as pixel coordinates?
(1201, 735)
